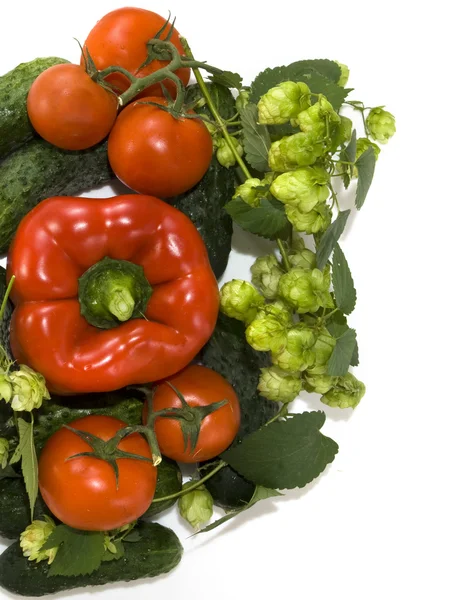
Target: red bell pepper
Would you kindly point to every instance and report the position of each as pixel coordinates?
(64, 239)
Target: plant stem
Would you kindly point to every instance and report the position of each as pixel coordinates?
(220, 121)
(197, 484)
(6, 295)
(284, 254)
(325, 317)
(283, 411)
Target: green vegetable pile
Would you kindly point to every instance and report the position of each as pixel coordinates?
(283, 152)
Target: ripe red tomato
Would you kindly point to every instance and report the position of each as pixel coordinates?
(68, 109)
(120, 38)
(83, 492)
(157, 154)
(199, 386)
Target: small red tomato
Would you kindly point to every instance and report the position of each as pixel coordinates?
(120, 39)
(155, 153)
(70, 110)
(200, 387)
(83, 491)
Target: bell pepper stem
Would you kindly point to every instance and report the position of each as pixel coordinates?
(121, 304)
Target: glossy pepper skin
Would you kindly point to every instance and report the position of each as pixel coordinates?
(58, 241)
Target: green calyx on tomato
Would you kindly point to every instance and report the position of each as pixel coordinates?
(189, 417)
(199, 409)
(113, 291)
(106, 450)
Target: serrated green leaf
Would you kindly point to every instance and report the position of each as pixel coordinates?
(320, 75)
(29, 462)
(330, 238)
(344, 290)
(227, 79)
(260, 493)
(365, 167)
(267, 220)
(256, 140)
(337, 325)
(79, 552)
(341, 356)
(284, 454)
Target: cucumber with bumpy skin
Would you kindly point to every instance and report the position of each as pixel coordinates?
(158, 551)
(15, 126)
(38, 171)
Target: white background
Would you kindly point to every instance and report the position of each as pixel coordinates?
(394, 515)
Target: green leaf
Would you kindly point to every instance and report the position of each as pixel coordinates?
(330, 238)
(256, 140)
(284, 454)
(16, 456)
(341, 356)
(344, 290)
(227, 79)
(337, 325)
(8, 472)
(29, 462)
(349, 152)
(365, 167)
(79, 552)
(260, 493)
(320, 75)
(267, 220)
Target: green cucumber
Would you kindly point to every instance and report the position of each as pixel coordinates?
(15, 507)
(158, 551)
(38, 171)
(228, 353)
(15, 127)
(7, 316)
(204, 203)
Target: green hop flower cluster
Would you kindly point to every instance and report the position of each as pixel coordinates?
(346, 392)
(268, 331)
(278, 385)
(225, 155)
(306, 290)
(303, 188)
(292, 151)
(283, 102)
(265, 275)
(4, 450)
(240, 299)
(196, 506)
(298, 351)
(34, 537)
(303, 259)
(247, 191)
(344, 74)
(320, 118)
(380, 124)
(24, 388)
(316, 220)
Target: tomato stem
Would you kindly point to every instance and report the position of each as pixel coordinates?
(213, 109)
